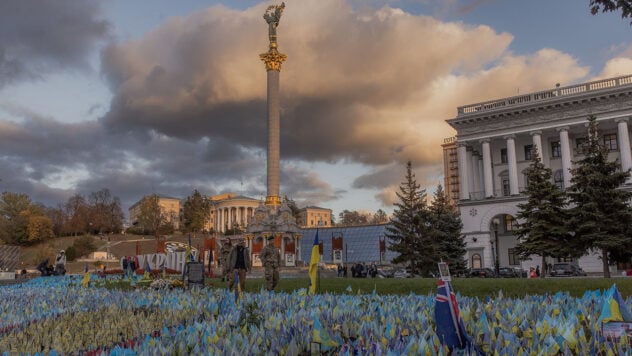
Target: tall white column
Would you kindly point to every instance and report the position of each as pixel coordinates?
(624, 146)
(463, 172)
(513, 165)
(476, 175)
(487, 169)
(566, 156)
(481, 177)
(537, 143)
(470, 171)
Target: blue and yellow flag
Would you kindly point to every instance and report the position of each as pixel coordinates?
(614, 308)
(313, 265)
(321, 336)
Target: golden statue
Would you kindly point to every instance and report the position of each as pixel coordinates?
(272, 17)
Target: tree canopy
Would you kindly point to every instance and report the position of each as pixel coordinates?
(600, 216)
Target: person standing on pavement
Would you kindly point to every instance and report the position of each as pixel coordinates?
(239, 261)
(60, 263)
(271, 260)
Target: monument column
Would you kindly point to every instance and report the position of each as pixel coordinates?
(273, 60)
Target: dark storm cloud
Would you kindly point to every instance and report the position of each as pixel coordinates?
(40, 36)
(306, 186)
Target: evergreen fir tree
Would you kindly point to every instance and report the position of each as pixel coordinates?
(409, 225)
(542, 218)
(600, 216)
(446, 232)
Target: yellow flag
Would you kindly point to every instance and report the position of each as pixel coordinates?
(313, 265)
(86, 279)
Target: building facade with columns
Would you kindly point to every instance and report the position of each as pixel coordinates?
(230, 211)
(495, 141)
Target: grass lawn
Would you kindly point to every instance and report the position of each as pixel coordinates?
(474, 287)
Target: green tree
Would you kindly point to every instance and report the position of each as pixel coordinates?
(22, 222)
(196, 212)
(409, 227)
(445, 232)
(151, 217)
(600, 216)
(625, 6)
(542, 218)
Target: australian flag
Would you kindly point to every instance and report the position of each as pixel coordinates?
(450, 327)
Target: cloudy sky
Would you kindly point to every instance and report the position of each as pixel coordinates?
(162, 96)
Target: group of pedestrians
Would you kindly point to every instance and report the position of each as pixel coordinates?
(235, 261)
(129, 266)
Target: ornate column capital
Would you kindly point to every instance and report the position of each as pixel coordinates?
(511, 136)
(563, 128)
(273, 59)
(622, 119)
(485, 140)
(536, 132)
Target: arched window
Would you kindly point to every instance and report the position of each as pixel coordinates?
(558, 179)
(476, 261)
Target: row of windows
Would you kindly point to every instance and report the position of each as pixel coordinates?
(558, 179)
(609, 141)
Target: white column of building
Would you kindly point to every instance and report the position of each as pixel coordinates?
(216, 220)
(536, 136)
(463, 172)
(481, 177)
(566, 156)
(240, 217)
(218, 217)
(624, 146)
(470, 171)
(513, 165)
(476, 176)
(487, 169)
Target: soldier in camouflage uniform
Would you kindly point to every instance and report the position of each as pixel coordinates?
(271, 260)
(224, 252)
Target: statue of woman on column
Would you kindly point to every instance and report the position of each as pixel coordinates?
(272, 17)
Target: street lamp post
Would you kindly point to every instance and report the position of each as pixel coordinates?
(496, 223)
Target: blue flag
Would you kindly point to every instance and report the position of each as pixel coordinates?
(237, 286)
(450, 328)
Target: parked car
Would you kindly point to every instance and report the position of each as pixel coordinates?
(507, 272)
(385, 272)
(481, 273)
(520, 272)
(565, 269)
(402, 273)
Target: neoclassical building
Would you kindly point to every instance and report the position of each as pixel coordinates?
(495, 141)
(313, 216)
(229, 210)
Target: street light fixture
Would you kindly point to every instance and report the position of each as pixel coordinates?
(495, 224)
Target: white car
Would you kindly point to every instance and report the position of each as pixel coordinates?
(402, 273)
